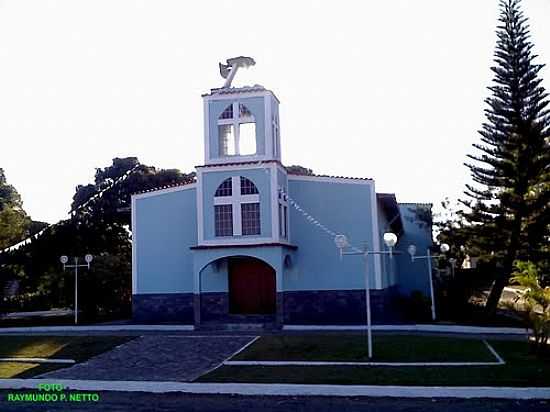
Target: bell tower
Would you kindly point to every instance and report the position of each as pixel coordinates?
(241, 124)
(241, 186)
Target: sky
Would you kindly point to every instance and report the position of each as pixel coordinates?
(391, 90)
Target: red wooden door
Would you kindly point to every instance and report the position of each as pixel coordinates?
(251, 287)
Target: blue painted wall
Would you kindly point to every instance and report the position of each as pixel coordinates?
(414, 275)
(256, 107)
(389, 265)
(343, 207)
(215, 276)
(211, 181)
(166, 226)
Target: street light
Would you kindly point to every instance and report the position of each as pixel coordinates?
(390, 240)
(64, 259)
(444, 248)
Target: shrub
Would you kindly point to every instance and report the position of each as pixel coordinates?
(536, 302)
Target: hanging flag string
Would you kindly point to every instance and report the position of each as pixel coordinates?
(309, 218)
(72, 212)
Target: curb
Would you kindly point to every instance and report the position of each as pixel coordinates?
(190, 328)
(97, 328)
(416, 328)
(254, 389)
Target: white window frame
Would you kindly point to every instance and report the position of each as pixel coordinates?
(275, 132)
(236, 199)
(236, 121)
(283, 223)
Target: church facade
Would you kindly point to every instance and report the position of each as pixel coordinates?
(250, 242)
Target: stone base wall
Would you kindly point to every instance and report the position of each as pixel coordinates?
(315, 307)
(338, 307)
(214, 306)
(163, 307)
(215, 309)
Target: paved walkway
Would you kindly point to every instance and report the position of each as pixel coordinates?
(160, 358)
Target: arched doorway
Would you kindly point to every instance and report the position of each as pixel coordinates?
(252, 289)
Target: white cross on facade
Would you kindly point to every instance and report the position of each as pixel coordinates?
(236, 200)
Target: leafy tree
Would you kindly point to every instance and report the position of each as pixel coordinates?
(114, 205)
(98, 225)
(14, 222)
(299, 170)
(508, 208)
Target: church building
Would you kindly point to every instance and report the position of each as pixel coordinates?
(249, 241)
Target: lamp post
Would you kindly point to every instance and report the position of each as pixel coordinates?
(444, 248)
(390, 240)
(64, 259)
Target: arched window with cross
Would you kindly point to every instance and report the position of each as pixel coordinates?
(237, 208)
(237, 131)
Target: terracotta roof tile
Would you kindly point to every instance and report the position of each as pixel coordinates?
(332, 177)
(155, 189)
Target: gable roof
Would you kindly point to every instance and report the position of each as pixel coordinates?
(156, 189)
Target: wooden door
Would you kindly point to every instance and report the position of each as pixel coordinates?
(251, 287)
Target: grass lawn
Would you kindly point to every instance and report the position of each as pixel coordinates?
(386, 348)
(521, 368)
(79, 348)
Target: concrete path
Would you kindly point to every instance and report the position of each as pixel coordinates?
(290, 389)
(156, 358)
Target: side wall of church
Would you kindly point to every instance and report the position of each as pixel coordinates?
(417, 228)
(165, 227)
(321, 287)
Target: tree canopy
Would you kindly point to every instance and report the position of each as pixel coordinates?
(99, 224)
(14, 222)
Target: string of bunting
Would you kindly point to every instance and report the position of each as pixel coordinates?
(309, 218)
(72, 212)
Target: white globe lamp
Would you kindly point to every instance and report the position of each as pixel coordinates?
(390, 239)
(341, 241)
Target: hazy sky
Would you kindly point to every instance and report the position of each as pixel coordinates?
(391, 90)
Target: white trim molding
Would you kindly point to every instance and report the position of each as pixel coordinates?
(274, 203)
(232, 241)
(330, 179)
(376, 239)
(134, 246)
(239, 95)
(206, 131)
(200, 211)
(164, 191)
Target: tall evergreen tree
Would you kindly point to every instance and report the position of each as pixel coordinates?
(508, 206)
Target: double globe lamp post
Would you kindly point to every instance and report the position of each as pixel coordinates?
(444, 248)
(390, 240)
(64, 259)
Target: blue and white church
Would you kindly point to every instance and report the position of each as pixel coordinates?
(250, 242)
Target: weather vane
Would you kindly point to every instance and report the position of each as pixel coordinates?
(229, 70)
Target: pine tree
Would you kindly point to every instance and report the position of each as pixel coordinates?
(508, 206)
